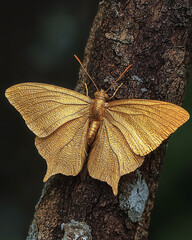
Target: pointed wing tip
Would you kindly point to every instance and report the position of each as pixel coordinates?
(7, 92)
(11, 89)
(114, 188)
(115, 191)
(187, 116)
(45, 178)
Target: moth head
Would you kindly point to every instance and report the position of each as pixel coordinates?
(101, 95)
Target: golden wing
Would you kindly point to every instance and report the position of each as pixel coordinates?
(111, 156)
(145, 123)
(46, 107)
(65, 149)
(131, 129)
(59, 117)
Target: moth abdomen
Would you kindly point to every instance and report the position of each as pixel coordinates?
(93, 129)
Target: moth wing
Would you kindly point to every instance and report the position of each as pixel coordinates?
(111, 156)
(46, 107)
(145, 123)
(64, 150)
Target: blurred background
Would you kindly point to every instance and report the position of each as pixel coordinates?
(38, 40)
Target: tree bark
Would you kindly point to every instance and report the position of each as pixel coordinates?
(155, 36)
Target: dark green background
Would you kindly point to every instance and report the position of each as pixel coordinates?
(38, 40)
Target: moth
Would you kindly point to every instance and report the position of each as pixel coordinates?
(118, 134)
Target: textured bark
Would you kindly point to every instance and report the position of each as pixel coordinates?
(155, 36)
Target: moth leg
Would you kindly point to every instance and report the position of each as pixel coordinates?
(87, 94)
(116, 91)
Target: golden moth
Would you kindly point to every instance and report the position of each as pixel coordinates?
(118, 133)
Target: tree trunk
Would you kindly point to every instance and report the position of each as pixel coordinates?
(155, 36)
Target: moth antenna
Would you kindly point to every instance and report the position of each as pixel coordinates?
(86, 72)
(118, 78)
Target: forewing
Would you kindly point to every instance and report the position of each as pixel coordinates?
(111, 156)
(145, 123)
(64, 150)
(46, 107)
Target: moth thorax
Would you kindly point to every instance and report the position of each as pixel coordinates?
(97, 109)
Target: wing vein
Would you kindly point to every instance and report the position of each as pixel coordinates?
(111, 148)
(143, 129)
(62, 118)
(60, 92)
(137, 114)
(127, 130)
(74, 133)
(32, 105)
(148, 112)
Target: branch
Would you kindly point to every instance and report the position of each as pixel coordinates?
(155, 36)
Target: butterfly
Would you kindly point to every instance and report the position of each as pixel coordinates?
(116, 134)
